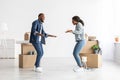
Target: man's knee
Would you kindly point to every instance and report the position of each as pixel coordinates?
(39, 54)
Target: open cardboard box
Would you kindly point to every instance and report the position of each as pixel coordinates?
(26, 48)
(88, 47)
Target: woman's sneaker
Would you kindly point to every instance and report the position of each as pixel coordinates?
(78, 69)
(38, 69)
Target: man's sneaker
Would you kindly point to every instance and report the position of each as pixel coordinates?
(78, 69)
(38, 69)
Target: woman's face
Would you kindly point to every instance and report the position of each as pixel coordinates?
(74, 22)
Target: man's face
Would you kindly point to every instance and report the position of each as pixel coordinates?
(42, 18)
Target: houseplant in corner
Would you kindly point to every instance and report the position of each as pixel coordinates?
(96, 48)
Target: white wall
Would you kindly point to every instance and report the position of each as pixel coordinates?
(97, 15)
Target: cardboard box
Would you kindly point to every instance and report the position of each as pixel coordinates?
(93, 60)
(26, 48)
(88, 47)
(27, 61)
(27, 36)
(91, 38)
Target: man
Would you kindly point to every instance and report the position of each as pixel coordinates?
(37, 38)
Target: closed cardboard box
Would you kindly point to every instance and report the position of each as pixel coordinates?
(88, 47)
(27, 36)
(26, 48)
(27, 61)
(91, 38)
(93, 60)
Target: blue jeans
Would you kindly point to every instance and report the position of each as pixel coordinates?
(39, 49)
(78, 47)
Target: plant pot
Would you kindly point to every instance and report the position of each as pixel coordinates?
(96, 51)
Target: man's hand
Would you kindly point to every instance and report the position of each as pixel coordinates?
(69, 31)
(40, 34)
(52, 36)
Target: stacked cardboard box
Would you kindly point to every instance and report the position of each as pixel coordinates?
(27, 36)
(91, 38)
(93, 60)
(26, 60)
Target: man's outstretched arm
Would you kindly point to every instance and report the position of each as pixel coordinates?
(51, 35)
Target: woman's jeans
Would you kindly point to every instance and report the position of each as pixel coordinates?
(39, 48)
(78, 47)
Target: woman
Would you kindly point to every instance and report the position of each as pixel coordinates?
(80, 41)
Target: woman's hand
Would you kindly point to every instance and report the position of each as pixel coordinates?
(69, 31)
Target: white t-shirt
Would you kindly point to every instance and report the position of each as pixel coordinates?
(40, 33)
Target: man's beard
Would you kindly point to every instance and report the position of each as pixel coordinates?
(41, 20)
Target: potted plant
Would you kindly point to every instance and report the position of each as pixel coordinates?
(96, 48)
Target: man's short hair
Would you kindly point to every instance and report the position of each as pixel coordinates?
(40, 14)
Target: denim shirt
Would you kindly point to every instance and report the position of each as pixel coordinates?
(79, 32)
(37, 27)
